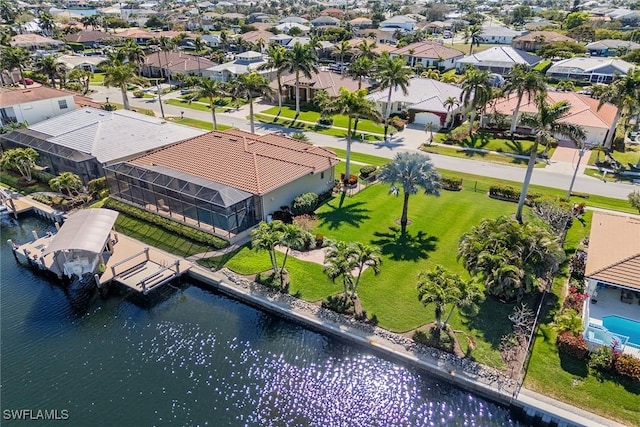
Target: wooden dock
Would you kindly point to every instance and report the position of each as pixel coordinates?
(139, 267)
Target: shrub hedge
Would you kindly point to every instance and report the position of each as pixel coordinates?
(366, 171)
(167, 224)
(627, 366)
(451, 184)
(572, 344)
(304, 204)
(511, 194)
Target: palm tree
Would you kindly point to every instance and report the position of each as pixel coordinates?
(339, 262)
(360, 68)
(364, 256)
(392, 74)
(472, 34)
(342, 49)
(521, 81)
(624, 93)
(66, 182)
(439, 287)
(198, 45)
(476, 92)
(411, 171)
(432, 73)
(210, 89)
(450, 104)
(568, 320)
(266, 236)
(276, 60)
(15, 57)
(46, 23)
(292, 236)
(134, 54)
(249, 86)
(301, 59)
(21, 159)
(52, 68)
(353, 105)
(510, 257)
(365, 49)
(546, 124)
(119, 75)
(81, 76)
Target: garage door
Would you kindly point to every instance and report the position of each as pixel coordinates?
(424, 118)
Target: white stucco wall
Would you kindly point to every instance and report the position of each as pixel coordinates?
(317, 183)
(37, 111)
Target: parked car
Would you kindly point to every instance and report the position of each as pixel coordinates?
(27, 81)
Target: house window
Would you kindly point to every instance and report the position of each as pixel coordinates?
(321, 175)
(62, 104)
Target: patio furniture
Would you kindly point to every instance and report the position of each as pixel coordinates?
(162, 206)
(626, 296)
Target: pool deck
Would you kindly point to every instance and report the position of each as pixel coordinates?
(609, 304)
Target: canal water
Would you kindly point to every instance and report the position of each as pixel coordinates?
(193, 357)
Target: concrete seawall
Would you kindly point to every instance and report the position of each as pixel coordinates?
(486, 382)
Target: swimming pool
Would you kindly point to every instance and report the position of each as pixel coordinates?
(623, 326)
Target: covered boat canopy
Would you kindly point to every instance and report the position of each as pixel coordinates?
(85, 230)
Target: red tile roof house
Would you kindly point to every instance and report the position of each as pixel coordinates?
(33, 105)
(322, 80)
(612, 273)
(223, 182)
(599, 125)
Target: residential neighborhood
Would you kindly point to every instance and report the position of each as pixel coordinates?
(453, 186)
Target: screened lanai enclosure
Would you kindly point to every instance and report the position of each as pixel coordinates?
(210, 206)
(54, 158)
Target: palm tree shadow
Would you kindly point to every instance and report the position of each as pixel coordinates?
(405, 246)
(352, 214)
(517, 147)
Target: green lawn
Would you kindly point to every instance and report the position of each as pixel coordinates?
(630, 155)
(477, 155)
(312, 116)
(158, 237)
(194, 105)
(97, 79)
(290, 123)
(488, 141)
(201, 124)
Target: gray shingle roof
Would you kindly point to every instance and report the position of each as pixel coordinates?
(112, 135)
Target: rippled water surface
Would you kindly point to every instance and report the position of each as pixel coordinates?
(194, 357)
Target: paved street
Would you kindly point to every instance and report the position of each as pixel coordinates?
(556, 175)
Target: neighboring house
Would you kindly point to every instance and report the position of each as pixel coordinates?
(223, 182)
(89, 38)
(592, 70)
(244, 63)
(281, 39)
(33, 105)
(256, 37)
(626, 17)
(429, 54)
(534, 40)
(294, 20)
(332, 11)
(84, 63)
(598, 123)
(211, 40)
(287, 26)
(611, 47)
(137, 35)
(612, 274)
(399, 22)
(322, 80)
(378, 35)
(35, 42)
(361, 22)
(424, 101)
(325, 21)
(498, 35)
(497, 59)
(84, 140)
(172, 63)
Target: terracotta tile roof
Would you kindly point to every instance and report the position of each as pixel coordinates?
(135, 33)
(254, 36)
(549, 37)
(331, 82)
(614, 249)
(88, 36)
(253, 163)
(33, 40)
(429, 50)
(584, 109)
(21, 96)
(178, 62)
